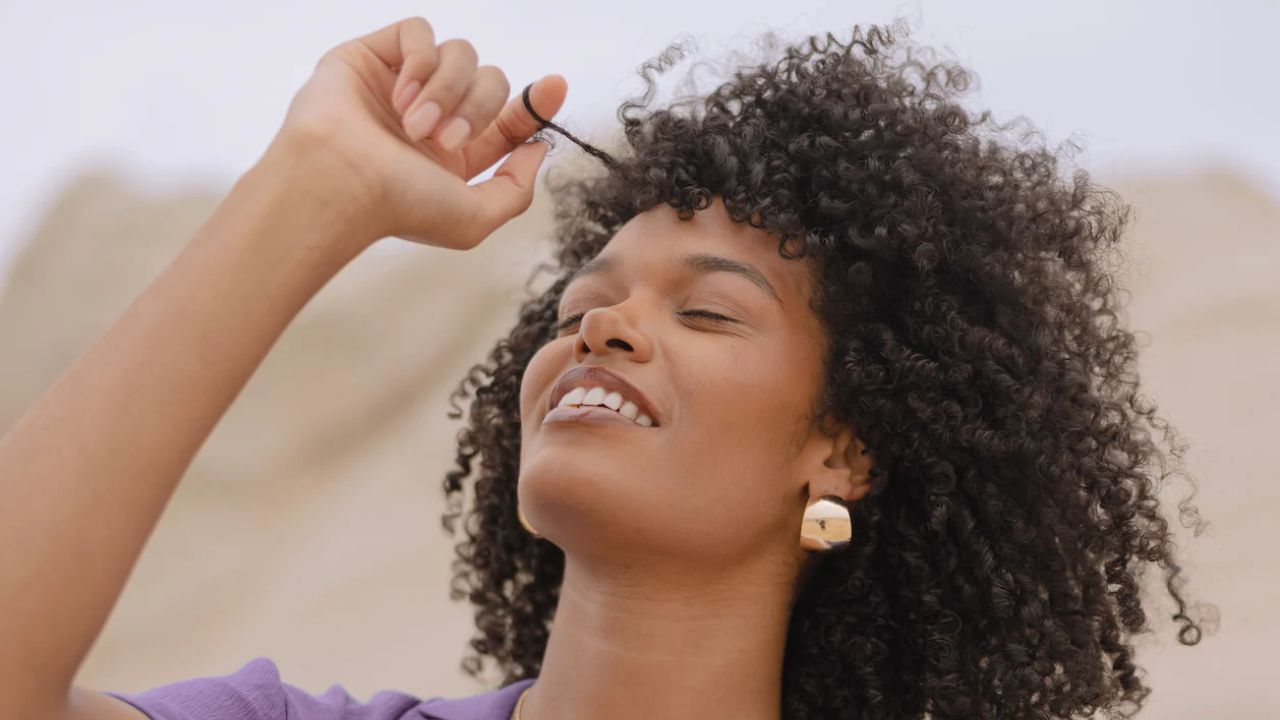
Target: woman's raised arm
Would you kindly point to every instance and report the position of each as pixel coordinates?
(87, 471)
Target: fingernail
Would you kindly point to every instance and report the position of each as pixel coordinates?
(406, 96)
(420, 121)
(453, 133)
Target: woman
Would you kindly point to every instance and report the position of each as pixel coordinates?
(825, 286)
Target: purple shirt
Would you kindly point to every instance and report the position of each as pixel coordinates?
(255, 692)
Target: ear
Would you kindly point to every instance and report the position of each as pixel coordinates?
(835, 464)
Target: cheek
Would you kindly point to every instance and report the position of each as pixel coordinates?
(729, 400)
(748, 407)
(539, 376)
(730, 467)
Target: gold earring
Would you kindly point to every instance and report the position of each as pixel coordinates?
(524, 522)
(827, 524)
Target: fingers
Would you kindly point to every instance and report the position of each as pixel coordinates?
(403, 38)
(514, 124)
(419, 59)
(443, 89)
(508, 193)
(489, 90)
(442, 92)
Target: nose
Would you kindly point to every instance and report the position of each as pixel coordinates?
(606, 330)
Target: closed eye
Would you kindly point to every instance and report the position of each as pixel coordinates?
(571, 319)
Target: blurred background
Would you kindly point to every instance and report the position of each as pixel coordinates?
(307, 529)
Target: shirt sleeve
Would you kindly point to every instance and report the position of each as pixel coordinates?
(256, 692)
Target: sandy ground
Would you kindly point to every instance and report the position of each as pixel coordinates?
(307, 528)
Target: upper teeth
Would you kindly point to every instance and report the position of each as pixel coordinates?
(612, 400)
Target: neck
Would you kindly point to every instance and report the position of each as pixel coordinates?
(625, 645)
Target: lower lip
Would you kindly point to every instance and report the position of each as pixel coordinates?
(589, 415)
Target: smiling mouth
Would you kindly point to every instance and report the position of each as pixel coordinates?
(597, 415)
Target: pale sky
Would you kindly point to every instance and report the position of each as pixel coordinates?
(175, 94)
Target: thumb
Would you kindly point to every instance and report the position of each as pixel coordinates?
(510, 191)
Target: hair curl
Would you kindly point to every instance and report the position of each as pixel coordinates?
(973, 339)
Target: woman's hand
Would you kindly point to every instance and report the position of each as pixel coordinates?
(358, 115)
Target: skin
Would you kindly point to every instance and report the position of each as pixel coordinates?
(682, 541)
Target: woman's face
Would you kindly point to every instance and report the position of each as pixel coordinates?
(725, 472)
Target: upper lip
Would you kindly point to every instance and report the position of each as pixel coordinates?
(590, 376)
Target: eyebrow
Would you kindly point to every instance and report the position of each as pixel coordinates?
(701, 263)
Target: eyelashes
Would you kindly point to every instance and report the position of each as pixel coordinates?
(569, 320)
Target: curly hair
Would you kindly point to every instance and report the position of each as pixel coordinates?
(972, 336)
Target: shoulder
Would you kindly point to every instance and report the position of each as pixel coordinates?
(256, 692)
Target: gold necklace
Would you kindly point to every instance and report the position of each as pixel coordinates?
(515, 714)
